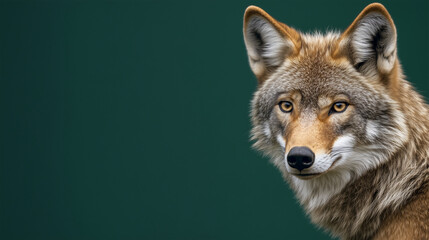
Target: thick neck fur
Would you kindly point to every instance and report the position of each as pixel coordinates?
(387, 169)
(358, 210)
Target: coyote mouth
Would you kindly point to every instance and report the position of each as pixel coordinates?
(334, 162)
(306, 175)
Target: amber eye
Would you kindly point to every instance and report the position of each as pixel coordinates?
(286, 106)
(338, 107)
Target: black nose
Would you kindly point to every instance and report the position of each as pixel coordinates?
(300, 158)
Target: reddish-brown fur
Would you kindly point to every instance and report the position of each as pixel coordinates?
(387, 201)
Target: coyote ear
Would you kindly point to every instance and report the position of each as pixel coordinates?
(370, 41)
(268, 42)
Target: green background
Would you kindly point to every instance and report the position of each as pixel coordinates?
(129, 119)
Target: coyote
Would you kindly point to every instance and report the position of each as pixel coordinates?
(346, 130)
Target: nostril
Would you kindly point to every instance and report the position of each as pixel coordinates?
(300, 158)
(307, 160)
(291, 160)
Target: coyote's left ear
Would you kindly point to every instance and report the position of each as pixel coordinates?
(370, 41)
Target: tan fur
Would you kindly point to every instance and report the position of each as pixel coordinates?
(412, 222)
(386, 200)
(314, 133)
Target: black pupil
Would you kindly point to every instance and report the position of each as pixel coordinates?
(339, 105)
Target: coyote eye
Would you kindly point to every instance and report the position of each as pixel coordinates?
(286, 106)
(338, 107)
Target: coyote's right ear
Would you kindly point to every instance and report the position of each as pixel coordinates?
(268, 42)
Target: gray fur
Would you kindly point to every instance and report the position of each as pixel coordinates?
(383, 170)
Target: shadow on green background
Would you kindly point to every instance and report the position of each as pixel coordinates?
(129, 119)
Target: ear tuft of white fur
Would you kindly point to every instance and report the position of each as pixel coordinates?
(266, 47)
(374, 44)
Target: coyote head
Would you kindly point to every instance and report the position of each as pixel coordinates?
(326, 105)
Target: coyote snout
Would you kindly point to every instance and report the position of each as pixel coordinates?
(346, 130)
